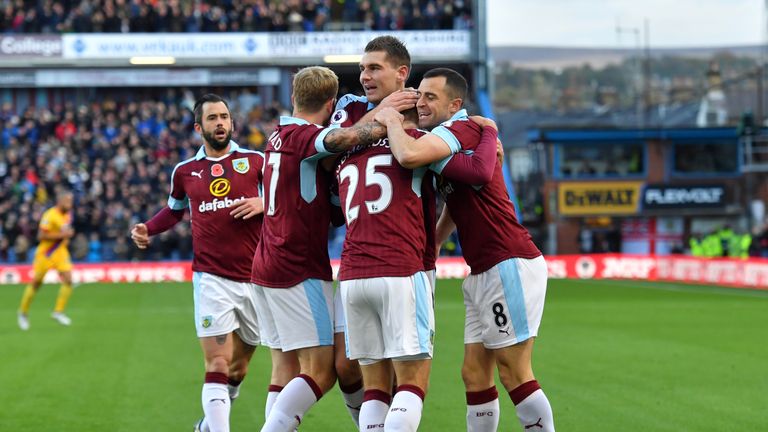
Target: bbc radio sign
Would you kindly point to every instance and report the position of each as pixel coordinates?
(657, 197)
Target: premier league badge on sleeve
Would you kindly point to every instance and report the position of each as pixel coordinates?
(339, 117)
(241, 165)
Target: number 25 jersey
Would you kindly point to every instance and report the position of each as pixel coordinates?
(383, 211)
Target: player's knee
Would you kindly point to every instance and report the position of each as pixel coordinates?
(511, 376)
(217, 364)
(325, 379)
(284, 372)
(348, 371)
(474, 376)
(238, 368)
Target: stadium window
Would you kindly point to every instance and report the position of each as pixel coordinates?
(599, 160)
(705, 158)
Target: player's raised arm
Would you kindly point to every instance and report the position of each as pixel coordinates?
(341, 139)
(486, 122)
(401, 100)
(410, 152)
(476, 168)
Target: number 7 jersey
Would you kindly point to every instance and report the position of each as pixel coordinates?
(294, 238)
(383, 210)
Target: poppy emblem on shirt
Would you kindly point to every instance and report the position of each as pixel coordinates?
(217, 170)
(241, 165)
(339, 117)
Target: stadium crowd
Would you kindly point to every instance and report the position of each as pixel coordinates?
(145, 16)
(117, 158)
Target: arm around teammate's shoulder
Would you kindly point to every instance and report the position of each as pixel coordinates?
(342, 139)
(475, 169)
(410, 152)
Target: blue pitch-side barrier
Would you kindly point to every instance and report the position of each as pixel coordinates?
(486, 110)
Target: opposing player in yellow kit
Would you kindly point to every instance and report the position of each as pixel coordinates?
(54, 233)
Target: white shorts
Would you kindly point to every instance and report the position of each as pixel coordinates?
(431, 277)
(296, 317)
(223, 306)
(340, 324)
(504, 304)
(339, 319)
(388, 318)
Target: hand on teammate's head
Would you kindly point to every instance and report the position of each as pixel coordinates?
(401, 100)
(388, 115)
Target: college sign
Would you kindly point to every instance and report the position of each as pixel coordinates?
(657, 197)
(598, 198)
(15, 46)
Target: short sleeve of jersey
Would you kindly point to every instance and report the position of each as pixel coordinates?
(49, 221)
(349, 109)
(258, 162)
(448, 135)
(177, 199)
(320, 141)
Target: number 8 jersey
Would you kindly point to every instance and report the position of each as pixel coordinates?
(382, 207)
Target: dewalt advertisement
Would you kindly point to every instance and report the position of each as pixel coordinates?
(599, 198)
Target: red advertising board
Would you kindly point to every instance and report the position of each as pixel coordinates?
(105, 272)
(747, 273)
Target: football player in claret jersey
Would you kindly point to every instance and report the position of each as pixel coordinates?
(54, 233)
(293, 282)
(384, 70)
(504, 294)
(386, 296)
(220, 187)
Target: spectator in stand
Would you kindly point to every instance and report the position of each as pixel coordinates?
(110, 16)
(112, 166)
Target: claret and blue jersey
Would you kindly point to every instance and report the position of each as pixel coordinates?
(209, 187)
(489, 232)
(296, 207)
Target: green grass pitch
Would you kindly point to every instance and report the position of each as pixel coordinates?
(611, 356)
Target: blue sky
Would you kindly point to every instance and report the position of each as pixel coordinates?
(592, 23)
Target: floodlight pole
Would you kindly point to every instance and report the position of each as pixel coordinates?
(647, 73)
(637, 87)
(643, 65)
(480, 58)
